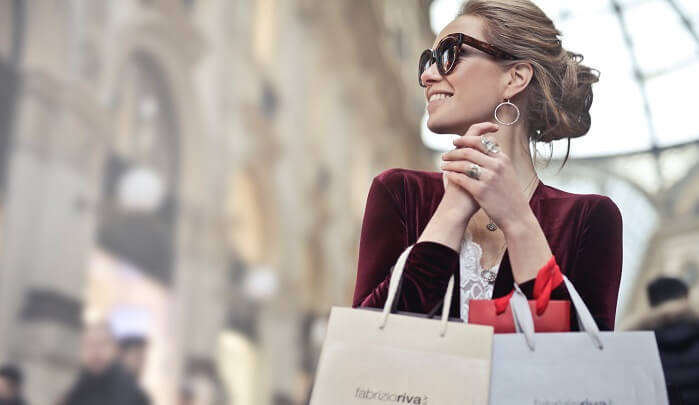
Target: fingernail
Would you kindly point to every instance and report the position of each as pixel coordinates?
(442, 165)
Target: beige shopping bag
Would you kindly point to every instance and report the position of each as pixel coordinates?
(372, 357)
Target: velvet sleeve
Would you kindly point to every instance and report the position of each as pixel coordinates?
(596, 269)
(596, 273)
(383, 238)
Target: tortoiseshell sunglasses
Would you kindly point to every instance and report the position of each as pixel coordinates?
(447, 52)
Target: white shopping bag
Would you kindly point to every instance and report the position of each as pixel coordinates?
(587, 367)
(376, 357)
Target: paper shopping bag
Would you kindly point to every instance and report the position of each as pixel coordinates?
(587, 367)
(371, 357)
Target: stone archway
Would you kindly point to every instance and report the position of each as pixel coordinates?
(130, 273)
(143, 158)
(200, 257)
(63, 132)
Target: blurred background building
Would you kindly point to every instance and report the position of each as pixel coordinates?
(195, 171)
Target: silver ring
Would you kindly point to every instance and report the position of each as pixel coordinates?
(490, 146)
(493, 147)
(474, 171)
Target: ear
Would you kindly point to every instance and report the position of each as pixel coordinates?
(517, 78)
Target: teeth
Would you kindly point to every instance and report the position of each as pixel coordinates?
(439, 96)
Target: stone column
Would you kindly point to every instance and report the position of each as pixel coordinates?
(50, 214)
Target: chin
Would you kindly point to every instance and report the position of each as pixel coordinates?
(443, 127)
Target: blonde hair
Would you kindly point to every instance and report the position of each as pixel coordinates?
(559, 95)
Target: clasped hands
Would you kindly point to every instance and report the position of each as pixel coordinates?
(493, 183)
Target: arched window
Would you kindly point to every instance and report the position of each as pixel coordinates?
(140, 177)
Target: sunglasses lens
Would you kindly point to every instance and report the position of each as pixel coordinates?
(447, 52)
(424, 64)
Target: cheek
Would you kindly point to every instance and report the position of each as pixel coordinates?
(474, 90)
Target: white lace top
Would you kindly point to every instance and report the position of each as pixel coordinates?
(473, 286)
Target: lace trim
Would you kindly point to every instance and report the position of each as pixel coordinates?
(473, 286)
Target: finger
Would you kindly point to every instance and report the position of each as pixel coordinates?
(474, 142)
(470, 154)
(473, 186)
(474, 139)
(463, 166)
(481, 128)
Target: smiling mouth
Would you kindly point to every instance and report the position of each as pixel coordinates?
(439, 96)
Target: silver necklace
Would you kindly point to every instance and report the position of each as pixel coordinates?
(488, 274)
(491, 225)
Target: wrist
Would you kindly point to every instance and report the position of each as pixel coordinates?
(457, 214)
(520, 227)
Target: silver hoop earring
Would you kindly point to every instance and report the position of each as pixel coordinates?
(506, 102)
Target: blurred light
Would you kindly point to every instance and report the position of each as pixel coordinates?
(674, 109)
(442, 12)
(261, 284)
(149, 107)
(691, 8)
(129, 322)
(92, 315)
(238, 363)
(651, 49)
(619, 122)
(141, 190)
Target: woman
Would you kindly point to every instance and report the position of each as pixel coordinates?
(503, 80)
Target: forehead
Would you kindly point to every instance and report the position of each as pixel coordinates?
(465, 24)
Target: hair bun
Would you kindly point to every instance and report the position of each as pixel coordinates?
(574, 99)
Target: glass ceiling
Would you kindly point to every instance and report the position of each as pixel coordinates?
(648, 54)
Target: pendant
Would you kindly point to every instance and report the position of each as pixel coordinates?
(489, 276)
(491, 226)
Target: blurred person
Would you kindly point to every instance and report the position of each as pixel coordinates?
(186, 396)
(11, 379)
(203, 389)
(281, 398)
(487, 219)
(102, 379)
(676, 326)
(132, 354)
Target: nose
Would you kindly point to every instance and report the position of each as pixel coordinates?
(430, 75)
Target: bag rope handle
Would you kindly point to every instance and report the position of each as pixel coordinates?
(548, 278)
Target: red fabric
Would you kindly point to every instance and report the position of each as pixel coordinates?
(556, 318)
(547, 279)
(502, 303)
(584, 232)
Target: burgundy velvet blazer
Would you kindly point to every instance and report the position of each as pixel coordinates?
(584, 232)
